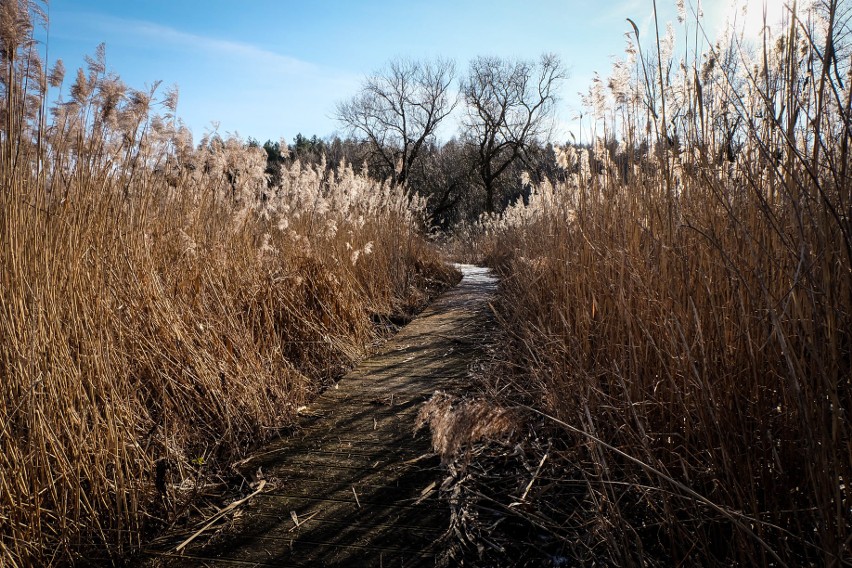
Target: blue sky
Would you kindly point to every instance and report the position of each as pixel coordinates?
(272, 69)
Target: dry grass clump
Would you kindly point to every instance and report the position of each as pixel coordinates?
(456, 423)
(162, 309)
(683, 301)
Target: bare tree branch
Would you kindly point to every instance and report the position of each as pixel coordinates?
(508, 107)
(398, 110)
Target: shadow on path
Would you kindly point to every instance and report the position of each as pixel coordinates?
(360, 482)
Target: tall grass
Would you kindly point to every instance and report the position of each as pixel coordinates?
(684, 297)
(162, 309)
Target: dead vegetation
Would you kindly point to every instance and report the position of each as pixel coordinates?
(676, 316)
(457, 423)
(162, 307)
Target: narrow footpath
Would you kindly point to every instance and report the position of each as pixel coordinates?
(355, 486)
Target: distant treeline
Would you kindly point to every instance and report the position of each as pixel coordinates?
(445, 176)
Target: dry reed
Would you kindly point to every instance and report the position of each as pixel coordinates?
(681, 304)
(162, 309)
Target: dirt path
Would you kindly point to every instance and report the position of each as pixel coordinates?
(360, 483)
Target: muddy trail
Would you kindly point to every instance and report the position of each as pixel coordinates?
(355, 485)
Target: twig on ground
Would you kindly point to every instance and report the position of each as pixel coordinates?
(219, 515)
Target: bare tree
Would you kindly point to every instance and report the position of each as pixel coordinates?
(398, 110)
(509, 104)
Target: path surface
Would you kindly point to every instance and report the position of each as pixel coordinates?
(358, 480)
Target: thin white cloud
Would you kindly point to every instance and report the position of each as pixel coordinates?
(162, 35)
(220, 47)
